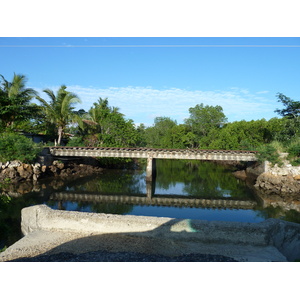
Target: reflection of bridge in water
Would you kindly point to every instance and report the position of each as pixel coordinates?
(158, 200)
(152, 154)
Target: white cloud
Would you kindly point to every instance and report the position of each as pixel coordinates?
(262, 92)
(143, 104)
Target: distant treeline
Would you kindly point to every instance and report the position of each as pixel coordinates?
(104, 125)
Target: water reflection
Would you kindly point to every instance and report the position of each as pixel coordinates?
(182, 189)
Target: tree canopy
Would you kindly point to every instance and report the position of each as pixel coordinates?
(203, 119)
(60, 110)
(15, 101)
(106, 126)
(206, 127)
(291, 108)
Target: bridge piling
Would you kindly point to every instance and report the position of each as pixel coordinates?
(150, 169)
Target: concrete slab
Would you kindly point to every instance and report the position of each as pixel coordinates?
(49, 231)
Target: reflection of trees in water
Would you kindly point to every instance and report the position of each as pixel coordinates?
(111, 182)
(278, 212)
(97, 207)
(10, 217)
(201, 179)
(108, 208)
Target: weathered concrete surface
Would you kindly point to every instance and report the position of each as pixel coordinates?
(53, 231)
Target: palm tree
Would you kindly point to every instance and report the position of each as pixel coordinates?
(15, 100)
(60, 109)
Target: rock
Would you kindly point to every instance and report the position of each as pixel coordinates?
(14, 164)
(36, 170)
(25, 171)
(277, 184)
(58, 164)
(297, 177)
(66, 172)
(28, 167)
(240, 174)
(53, 169)
(10, 173)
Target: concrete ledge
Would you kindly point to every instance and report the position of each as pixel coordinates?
(276, 239)
(41, 217)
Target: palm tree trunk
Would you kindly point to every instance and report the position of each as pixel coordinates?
(60, 132)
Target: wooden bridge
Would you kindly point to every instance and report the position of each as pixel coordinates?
(152, 153)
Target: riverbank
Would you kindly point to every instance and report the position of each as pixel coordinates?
(268, 179)
(17, 171)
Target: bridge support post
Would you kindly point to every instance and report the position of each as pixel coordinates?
(150, 189)
(151, 169)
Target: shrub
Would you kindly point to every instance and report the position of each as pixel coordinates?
(270, 154)
(278, 146)
(76, 142)
(294, 150)
(14, 146)
(294, 153)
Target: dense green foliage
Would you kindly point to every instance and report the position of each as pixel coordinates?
(103, 125)
(106, 126)
(203, 121)
(291, 108)
(14, 146)
(269, 153)
(60, 110)
(15, 101)
(294, 152)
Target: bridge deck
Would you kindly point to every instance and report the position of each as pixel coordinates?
(199, 154)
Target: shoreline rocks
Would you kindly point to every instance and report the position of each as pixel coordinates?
(16, 171)
(273, 180)
(283, 180)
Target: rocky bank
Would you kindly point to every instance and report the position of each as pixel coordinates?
(17, 171)
(283, 180)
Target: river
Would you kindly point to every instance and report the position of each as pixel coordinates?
(181, 189)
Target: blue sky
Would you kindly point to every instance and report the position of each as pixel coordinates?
(152, 77)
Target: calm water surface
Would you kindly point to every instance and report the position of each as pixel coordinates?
(177, 192)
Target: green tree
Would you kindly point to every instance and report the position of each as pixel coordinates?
(159, 135)
(165, 133)
(15, 101)
(291, 108)
(203, 119)
(60, 110)
(242, 135)
(141, 132)
(106, 126)
(290, 112)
